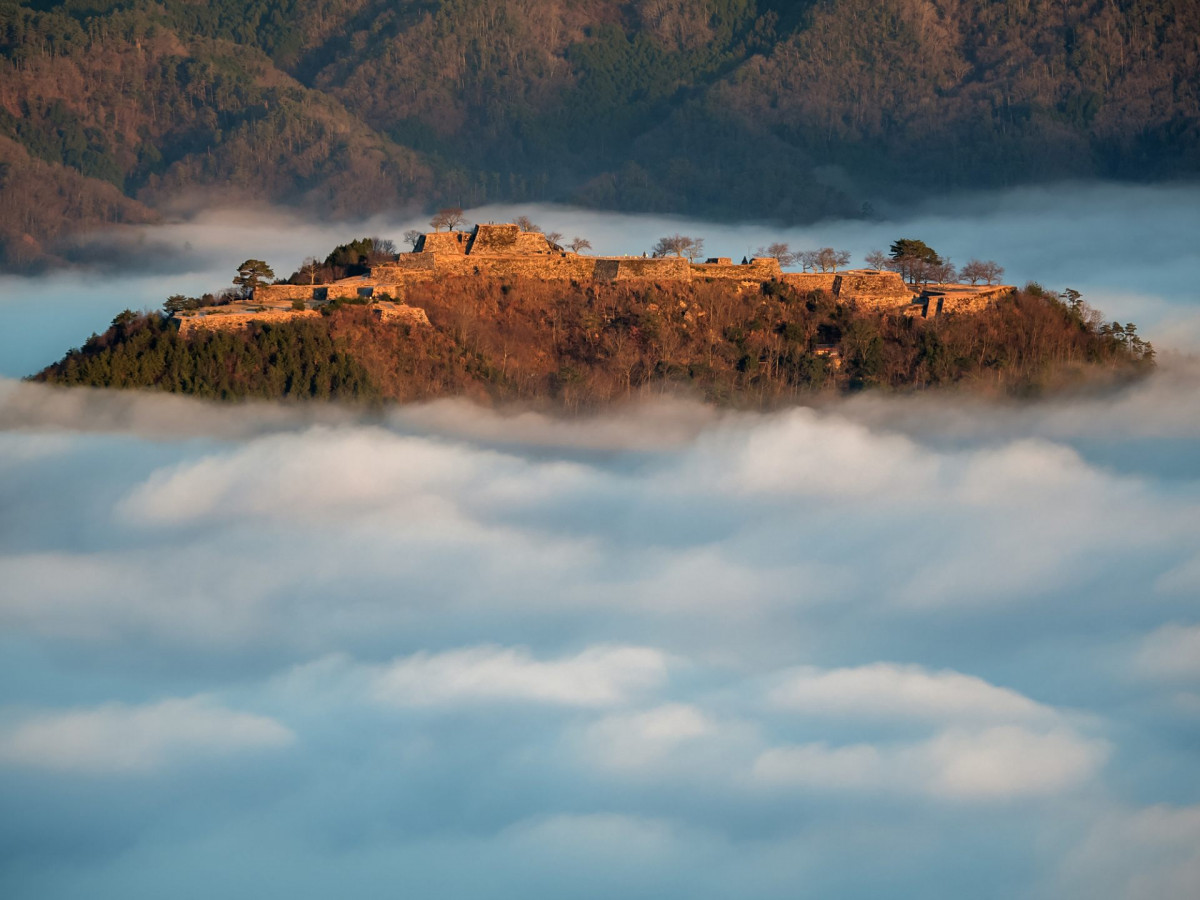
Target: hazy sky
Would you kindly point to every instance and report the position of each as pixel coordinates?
(887, 648)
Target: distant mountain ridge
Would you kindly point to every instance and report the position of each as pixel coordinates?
(110, 109)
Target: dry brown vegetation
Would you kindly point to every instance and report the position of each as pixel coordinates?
(717, 107)
(573, 346)
(577, 345)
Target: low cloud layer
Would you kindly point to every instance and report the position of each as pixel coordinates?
(667, 651)
(116, 738)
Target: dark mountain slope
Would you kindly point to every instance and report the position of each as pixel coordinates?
(715, 107)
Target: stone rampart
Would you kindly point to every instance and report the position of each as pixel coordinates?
(639, 268)
(758, 269)
(346, 289)
(559, 266)
(213, 319)
(873, 290)
(441, 242)
(507, 240)
(958, 298)
(411, 262)
(278, 293)
(401, 313)
(806, 282)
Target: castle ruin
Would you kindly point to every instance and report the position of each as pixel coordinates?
(506, 251)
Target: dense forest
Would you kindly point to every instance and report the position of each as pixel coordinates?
(574, 346)
(113, 110)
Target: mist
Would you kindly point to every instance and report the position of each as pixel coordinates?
(904, 647)
(1129, 249)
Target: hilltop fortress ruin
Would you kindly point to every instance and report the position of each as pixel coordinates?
(505, 251)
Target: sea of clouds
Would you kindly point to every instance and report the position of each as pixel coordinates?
(901, 647)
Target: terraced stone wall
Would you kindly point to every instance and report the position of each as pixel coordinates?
(807, 282)
(872, 290)
(671, 268)
(758, 269)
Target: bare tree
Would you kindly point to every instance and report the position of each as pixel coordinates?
(412, 237)
(877, 259)
(310, 268)
(447, 218)
(779, 251)
(578, 245)
(926, 272)
(526, 224)
(829, 260)
(679, 245)
(943, 272)
(992, 272)
(807, 259)
(382, 250)
(555, 238)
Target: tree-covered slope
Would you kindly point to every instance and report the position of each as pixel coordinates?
(719, 107)
(570, 345)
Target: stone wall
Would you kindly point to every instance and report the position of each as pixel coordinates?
(560, 266)
(637, 268)
(213, 319)
(963, 298)
(346, 289)
(758, 269)
(401, 313)
(806, 282)
(507, 240)
(275, 293)
(412, 262)
(441, 242)
(869, 289)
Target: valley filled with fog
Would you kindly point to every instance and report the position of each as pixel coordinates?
(885, 646)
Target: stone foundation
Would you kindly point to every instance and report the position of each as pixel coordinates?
(807, 282)
(758, 269)
(640, 268)
(401, 313)
(873, 290)
(219, 318)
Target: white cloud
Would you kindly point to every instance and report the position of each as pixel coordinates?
(1171, 652)
(801, 452)
(1151, 853)
(118, 738)
(316, 473)
(1008, 761)
(888, 690)
(820, 766)
(598, 676)
(996, 763)
(642, 739)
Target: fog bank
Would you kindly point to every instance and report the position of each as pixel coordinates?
(664, 652)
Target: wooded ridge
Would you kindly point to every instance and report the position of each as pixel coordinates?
(572, 346)
(112, 109)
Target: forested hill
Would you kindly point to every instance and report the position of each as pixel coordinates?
(111, 109)
(571, 346)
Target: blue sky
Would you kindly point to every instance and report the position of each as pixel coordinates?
(902, 647)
